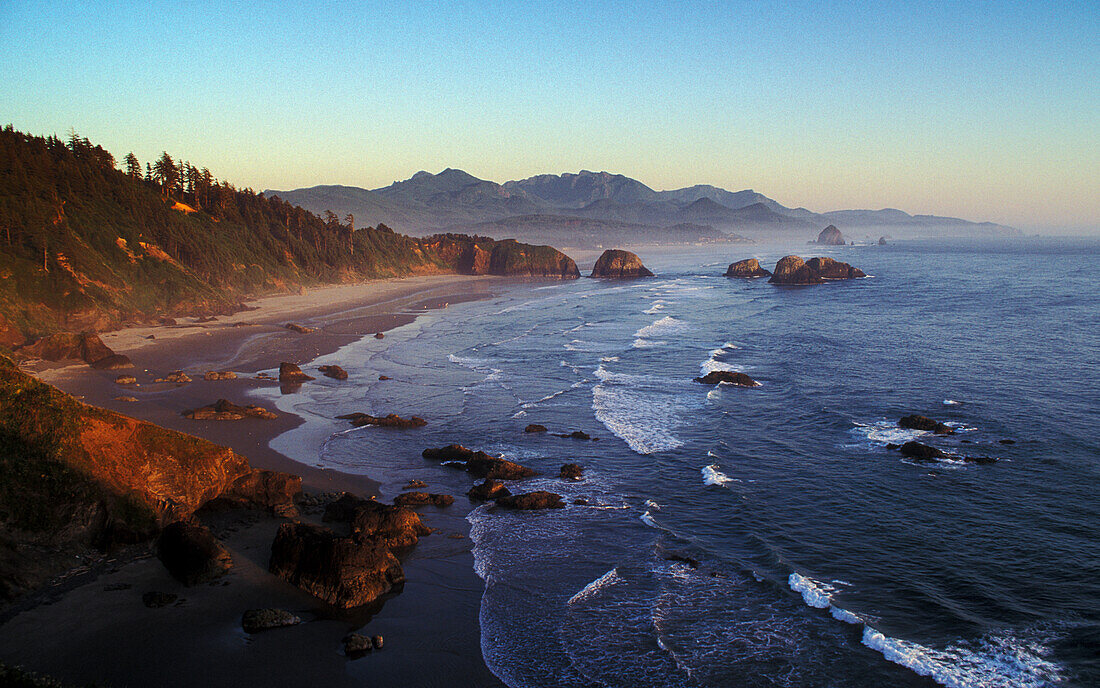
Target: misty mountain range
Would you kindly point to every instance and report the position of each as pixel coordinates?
(591, 209)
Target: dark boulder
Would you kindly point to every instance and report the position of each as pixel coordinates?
(915, 422)
(300, 329)
(922, 452)
(223, 409)
(488, 490)
(479, 463)
(333, 371)
(619, 264)
(793, 270)
(829, 269)
(192, 554)
(343, 571)
(423, 499)
(535, 427)
(357, 644)
(256, 620)
(396, 526)
(730, 377)
(571, 471)
(576, 435)
(155, 599)
(1006, 441)
(531, 500)
(288, 372)
(830, 236)
(882, 241)
(391, 420)
(379, 335)
(747, 268)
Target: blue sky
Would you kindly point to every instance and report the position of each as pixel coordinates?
(990, 111)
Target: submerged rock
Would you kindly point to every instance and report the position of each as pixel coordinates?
(915, 422)
(830, 236)
(571, 471)
(389, 421)
(576, 435)
(730, 377)
(535, 427)
(531, 500)
(747, 268)
(256, 620)
(192, 554)
(620, 264)
(288, 372)
(333, 371)
(423, 499)
(922, 452)
(479, 463)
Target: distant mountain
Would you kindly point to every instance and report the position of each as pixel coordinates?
(581, 232)
(453, 199)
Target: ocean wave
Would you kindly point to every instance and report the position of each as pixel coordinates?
(635, 419)
(647, 343)
(609, 359)
(606, 580)
(660, 328)
(885, 432)
(647, 519)
(820, 596)
(655, 308)
(714, 360)
(713, 476)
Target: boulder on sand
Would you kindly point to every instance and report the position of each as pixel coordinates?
(729, 377)
(219, 375)
(192, 554)
(288, 372)
(916, 422)
(423, 499)
(619, 264)
(224, 409)
(256, 620)
(747, 268)
(531, 500)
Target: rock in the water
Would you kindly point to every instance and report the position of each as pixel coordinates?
(256, 620)
(301, 329)
(377, 641)
(423, 499)
(921, 452)
(915, 422)
(125, 380)
(532, 500)
(389, 421)
(749, 267)
(176, 376)
(882, 241)
(384, 377)
(356, 644)
(535, 427)
(1006, 441)
(620, 264)
(830, 236)
(288, 372)
(488, 490)
(155, 600)
(192, 554)
(343, 571)
(126, 399)
(414, 485)
(379, 335)
(730, 377)
(334, 371)
(479, 463)
(224, 409)
(217, 375)
(576, 435)
(112, 362)
(571, 471)
(794, 270)
(395, 526)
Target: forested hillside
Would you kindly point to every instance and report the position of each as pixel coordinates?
(85, 245)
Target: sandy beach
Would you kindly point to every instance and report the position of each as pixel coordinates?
(100, 631)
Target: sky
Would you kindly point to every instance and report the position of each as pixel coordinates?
(984, 110)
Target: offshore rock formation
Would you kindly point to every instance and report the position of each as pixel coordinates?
(793, 270)
(619, 264)
(74, 476)
(531, 500)
(289, 372)
(479, 463)
(915, 422)
(749, 267)
(391, 420)
(730, 377)
(830, 236)
(223, 409)
(508, 258)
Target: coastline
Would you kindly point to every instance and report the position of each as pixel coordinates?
(431, 627)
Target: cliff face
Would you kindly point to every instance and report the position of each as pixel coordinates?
(620, 264)
(76, 476)
(507, 258)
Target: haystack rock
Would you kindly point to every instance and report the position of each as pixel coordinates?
(620, 264)
(830, 236)
(794, 270)
(882, 241)
(750, 267)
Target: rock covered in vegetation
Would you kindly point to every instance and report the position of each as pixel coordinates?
(747, 268)
(619, 264)
(794, 270)
(391, 420)
(506, 258)
(729, 377)
(916, 422)
(223, 409)
(531, 500)
(192, 554)
(830, 236)
(333, 371)
(488, 490)
(289, 372)
(256, 620)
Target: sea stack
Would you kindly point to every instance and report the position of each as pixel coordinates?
(620, 264)
(794, 270)
(748, 268)
(830, 236)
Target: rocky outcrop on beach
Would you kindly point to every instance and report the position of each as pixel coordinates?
(391, 420)
(176, 376)
(571, 471)
(747, 268)
(479, 463)
(125, 380)
(729, 377)
(530, 501)
(916, 422)
(793, 270)
(395, 526)
(487, 491)
(423, 499)
(830, 236)
(223, 409)
(333, 371)
(256, 620)
(79, 476)
(219, 375)
(82, 346)
(289, 372)
(192, 554)
(616, 263)
(300, 329)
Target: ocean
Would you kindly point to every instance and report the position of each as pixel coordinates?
(766, 536)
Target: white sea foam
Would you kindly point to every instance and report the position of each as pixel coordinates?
(634, 418)
(647, 519)
(655, 308)
(650, 504)
(713, 364)
(885, 432)
(647, 343)
(820, 596)
(714, 394)
(951, 402)
(609, 359)
(713, 476)
(667, 325)
(606, 580)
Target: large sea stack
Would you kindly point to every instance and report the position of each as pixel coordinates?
(830, 236)
(750, 267)
(793, 270)
(620, 264)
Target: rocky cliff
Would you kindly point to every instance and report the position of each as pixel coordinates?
(620, 264)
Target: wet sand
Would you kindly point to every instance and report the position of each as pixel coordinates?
(92, 634)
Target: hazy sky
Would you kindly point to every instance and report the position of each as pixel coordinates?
(990, 111)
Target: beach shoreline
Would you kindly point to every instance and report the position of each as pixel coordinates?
(422, 624)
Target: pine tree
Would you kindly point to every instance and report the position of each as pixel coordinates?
(133, 167)
(165, 173)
